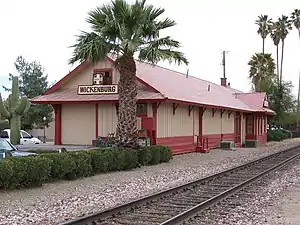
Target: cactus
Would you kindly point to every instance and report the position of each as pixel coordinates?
(15, 108)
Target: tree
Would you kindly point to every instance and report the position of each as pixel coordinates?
(284, 106)
(284, 26)
(296, 20)
(264, 28)
(262, 71)
(32, 82)
(125, 29)
(275, 35)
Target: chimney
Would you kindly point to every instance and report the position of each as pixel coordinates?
(224, 81)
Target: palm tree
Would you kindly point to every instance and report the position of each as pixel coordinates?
(125, 29)
(262, 71)
(284, 27)
(275, 35)
(296, 19)
(263, 23)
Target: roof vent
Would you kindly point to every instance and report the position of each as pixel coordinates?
(208, 87)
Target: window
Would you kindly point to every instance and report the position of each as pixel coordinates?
(4, 134)
(5, 146)
(102, 77)
(249, 124)
(141, 109)
(25, 134)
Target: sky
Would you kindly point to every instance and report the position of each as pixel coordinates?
(44, 30)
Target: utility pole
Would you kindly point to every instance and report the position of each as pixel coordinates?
(224, 63)
(298, 105)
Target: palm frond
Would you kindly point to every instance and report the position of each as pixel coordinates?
(264, 25)
(296, 18)
(126, 29)
(154, 55)
(90, 46)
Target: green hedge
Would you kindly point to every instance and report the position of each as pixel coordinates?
(33, 171)
(279, 135)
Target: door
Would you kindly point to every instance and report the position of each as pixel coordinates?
(25, 138)
(237, 129)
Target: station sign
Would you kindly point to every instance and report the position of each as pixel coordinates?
(97, 89)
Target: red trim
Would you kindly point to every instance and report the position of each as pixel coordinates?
(91, 101)
(57, 129)
(179, 144)
(214, 140)
(96, 120)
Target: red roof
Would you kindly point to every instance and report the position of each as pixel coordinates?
(166, 85)
(70, 95)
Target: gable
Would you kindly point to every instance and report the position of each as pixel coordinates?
(85, 75)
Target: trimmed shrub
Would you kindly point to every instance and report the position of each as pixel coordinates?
(279, 135)
(155, 154)
(83, 163)
(6, 174)
(29, 171)
(165, 153)
(42, 151)
(145, 156)
(63, 165)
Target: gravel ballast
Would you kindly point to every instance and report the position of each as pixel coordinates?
(260, 205)
(56, 202)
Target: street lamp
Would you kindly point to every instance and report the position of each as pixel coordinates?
(44, 119)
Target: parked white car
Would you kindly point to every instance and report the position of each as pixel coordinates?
(26, 138)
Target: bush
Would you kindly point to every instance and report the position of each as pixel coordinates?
(83, 163)
(29, 171)
(42, 151)
(155, 154)
(62, 165)
(279, 135)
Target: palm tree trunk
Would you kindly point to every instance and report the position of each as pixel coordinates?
(127, 130)
(298, 104)
(277, 59)
(263, 49)
(281, 64)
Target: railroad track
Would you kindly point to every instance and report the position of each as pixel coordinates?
(176, 205)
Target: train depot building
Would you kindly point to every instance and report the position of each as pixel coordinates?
(184, 112)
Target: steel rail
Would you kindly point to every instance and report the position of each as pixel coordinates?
(91, 218)
(212, 201)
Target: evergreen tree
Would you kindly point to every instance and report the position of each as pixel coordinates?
(33, 82)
